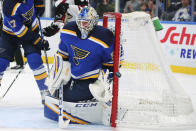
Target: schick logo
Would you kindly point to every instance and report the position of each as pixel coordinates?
(178, 38)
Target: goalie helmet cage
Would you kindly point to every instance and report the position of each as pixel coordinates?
(147, 95)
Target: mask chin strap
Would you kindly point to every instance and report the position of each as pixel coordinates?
(84, 34)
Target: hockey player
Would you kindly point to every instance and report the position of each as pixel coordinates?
(39, 9)
(1, 18)
(184, 13)
(85, 49)
(21, 26)
(1, 23)
(65, 11)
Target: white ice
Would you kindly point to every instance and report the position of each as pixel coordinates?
(21, 108)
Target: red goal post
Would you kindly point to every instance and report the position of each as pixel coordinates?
(117, 17)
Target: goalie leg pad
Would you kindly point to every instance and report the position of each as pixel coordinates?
(84, 112)
(107, 110)
(59, 74)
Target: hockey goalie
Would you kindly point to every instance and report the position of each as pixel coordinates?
(85, 52)
(81, 93)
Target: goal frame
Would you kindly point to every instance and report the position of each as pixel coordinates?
(163, 109)
(118, 17)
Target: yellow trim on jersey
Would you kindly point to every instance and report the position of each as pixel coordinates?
(93, 76)
(99, 42)
(15, 9)
(112, 64)
(11, 33)
(107, 64)
(68, 31)
(35, 26)
(38, 39)
(41, 76)
(23, 33)
(39, 5)
(64, 56)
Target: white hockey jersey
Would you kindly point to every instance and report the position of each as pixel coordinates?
(183, 14)
(72, 12)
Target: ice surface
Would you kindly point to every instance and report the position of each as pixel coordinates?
(21, 109)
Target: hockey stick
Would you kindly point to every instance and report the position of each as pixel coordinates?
(42, 37)
(61, 122)
(1, 97)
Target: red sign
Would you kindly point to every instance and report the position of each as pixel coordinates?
(178, 38)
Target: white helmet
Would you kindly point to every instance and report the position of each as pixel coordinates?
(86, 20)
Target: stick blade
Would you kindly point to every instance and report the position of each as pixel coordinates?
(63, 124)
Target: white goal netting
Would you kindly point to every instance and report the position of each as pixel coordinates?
(148, 94)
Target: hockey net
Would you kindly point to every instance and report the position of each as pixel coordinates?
(146, 95)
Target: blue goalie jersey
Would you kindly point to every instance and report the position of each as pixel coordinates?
(87, 56)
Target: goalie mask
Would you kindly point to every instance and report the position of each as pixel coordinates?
(86, 20)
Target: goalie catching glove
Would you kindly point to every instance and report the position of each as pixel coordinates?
(101, 89)
(60, 74)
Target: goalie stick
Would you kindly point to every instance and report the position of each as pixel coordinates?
(1, 97)
(42, 37)
(62, 124)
